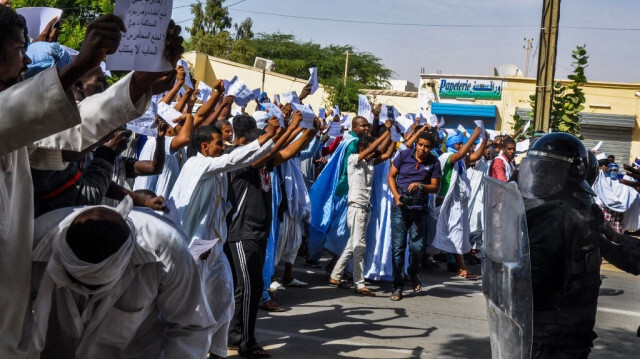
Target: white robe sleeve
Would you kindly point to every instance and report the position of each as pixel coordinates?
(241, 157)
(34, 109)
(182, 303)
(101, 114)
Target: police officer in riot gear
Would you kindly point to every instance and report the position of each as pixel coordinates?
(564, 231)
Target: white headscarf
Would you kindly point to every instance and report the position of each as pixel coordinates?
(63, 264)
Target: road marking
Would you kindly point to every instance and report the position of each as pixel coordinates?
(619, 311)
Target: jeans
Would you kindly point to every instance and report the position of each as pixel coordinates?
(414, 223)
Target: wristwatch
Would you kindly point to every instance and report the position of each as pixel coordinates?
(420, 187)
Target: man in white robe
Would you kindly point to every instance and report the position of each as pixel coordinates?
(113, 284)
(200, 196)
(452, 229)
(32, 110)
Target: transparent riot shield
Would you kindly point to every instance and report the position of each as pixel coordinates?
(506, 271)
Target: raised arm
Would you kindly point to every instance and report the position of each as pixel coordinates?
(478, 154)
(180, 75)
(291, 150)
(374, 145)
(184, 136)
(282, 139)
(182, 102)
(386, 155)
(153, 167)
(462, 153)
(208, 107)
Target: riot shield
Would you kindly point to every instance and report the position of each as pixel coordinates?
(506, 271)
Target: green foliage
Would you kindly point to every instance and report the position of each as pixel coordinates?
(75, 18)
(568, 101)
(243, 31)
(344, 96)
(294, 58)
(209, 18)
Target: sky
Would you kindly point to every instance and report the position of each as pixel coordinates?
(457, 45)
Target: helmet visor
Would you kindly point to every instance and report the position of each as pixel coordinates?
(541, 177)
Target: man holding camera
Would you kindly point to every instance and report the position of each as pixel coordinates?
(414, 174)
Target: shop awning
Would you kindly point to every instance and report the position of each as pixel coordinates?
(454, 109)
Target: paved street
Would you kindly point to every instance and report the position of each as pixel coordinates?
(446, 320)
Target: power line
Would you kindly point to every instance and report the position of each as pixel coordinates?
(228, 6)
(428, 25)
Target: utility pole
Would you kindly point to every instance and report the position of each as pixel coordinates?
(527, 48)
(346, 67)
(546, 63)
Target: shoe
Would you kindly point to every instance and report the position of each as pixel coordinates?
(275, 285)
(271, 306)
(396, 295)
(255, 352)
(468, 276)
(365, 292)
(295, 283)
(312, 263)
(339, 284)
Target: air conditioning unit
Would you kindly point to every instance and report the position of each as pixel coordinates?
(264, 64)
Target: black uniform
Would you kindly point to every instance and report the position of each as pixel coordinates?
(565, 271)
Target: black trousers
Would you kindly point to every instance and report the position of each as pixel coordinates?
(246, 258)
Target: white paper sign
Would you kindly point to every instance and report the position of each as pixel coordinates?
(307, 114)
(395, 136)
(103, 67)
(322, 113)
(433, 120)
(492, 134)
(142, 46)
(276, 99)
(522, 146)
(290, 97)
(313, 79)
(450, 132)
(274, 110)
(336, 110)
(168, 113)
(597, 146)
(364, 107)
(145, 124)
(405, 121)
(388, 113)
(441, 123)
(255, 94)
(480, 124)
(187, 75)
(38, 18)
(462, 129)
(335, 129)
(526, 127)
(204, 92)
(199, 247)
(240, 92)
(601, 156)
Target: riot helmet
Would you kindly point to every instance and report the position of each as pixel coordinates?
(592, 169)
(554, 162)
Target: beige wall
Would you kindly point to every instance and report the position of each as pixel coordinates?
(208, 69)
(516, 91)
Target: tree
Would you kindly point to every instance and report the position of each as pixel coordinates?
(243, 31)
(568, 100)
(294, 58)
(345, 96)
(210, 19)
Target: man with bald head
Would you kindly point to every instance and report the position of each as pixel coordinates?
(329, 198)
(115, 283)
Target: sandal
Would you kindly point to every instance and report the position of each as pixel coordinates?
(468, 276)
(339, 284)
(417, 287)
(254, 353)
(365, 292)
(271, 306)
(396, 295)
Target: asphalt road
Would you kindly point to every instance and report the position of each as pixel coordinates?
(446, 320)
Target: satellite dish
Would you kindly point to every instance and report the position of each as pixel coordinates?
(510, 70)
(264, 64)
